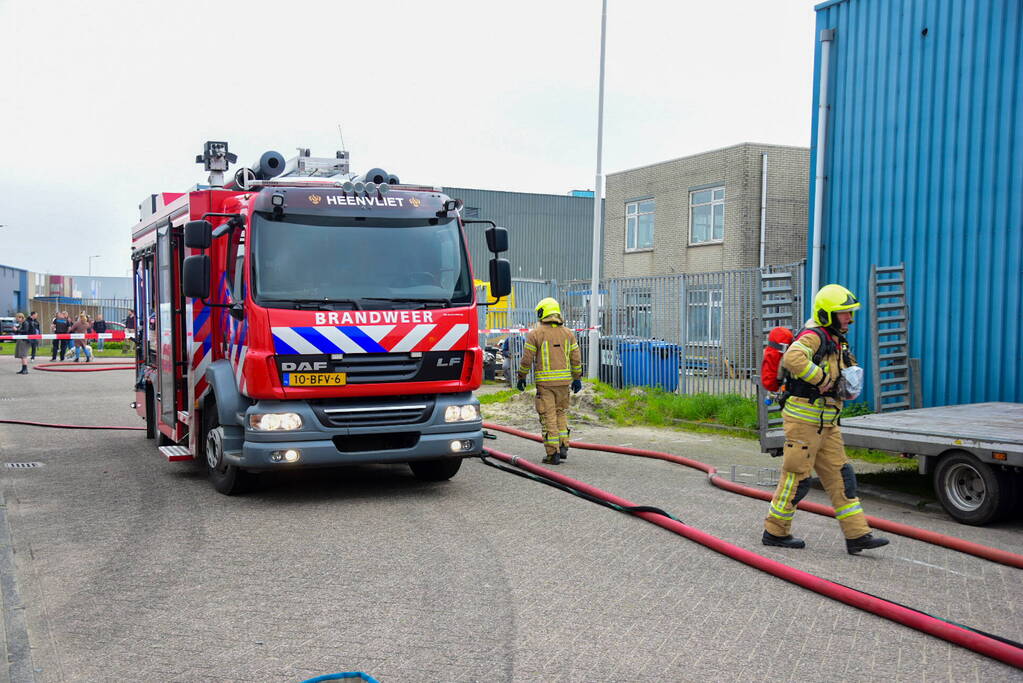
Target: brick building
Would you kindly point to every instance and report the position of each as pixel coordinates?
(702, 213)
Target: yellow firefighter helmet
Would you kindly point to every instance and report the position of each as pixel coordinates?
(832, 299)
(547, 307)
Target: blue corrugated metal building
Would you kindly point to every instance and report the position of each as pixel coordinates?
(923, 165)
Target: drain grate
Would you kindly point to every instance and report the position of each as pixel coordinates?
(22, 465)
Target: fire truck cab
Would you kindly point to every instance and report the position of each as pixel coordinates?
(304, 316)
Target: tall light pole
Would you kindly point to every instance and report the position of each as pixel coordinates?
(593, 359)
(90, 263)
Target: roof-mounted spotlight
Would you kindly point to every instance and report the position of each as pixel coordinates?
(348, 186)
(383, 188)
(371, 187)
(277, 202)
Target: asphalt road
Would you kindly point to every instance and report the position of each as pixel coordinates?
(121, 566)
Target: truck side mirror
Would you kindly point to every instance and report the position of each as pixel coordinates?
(198, 234)
(195, 276)
(500, 277)
(497, 239)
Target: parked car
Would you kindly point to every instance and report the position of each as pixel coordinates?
(8, 326)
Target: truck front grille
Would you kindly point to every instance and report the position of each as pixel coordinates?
(368, 368)
(374, 413)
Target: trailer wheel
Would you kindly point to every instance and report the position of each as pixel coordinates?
(971, 492)
(226, 479)
(435, 470)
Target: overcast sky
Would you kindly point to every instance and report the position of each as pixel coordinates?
(103, 103)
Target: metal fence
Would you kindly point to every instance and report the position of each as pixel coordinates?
(693, 333)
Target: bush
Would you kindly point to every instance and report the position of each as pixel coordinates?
(854, 409)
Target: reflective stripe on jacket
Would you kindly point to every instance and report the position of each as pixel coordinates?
(552, 353)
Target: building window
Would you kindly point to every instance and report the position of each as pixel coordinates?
(703, 316)
(707, 215)
(639, 225)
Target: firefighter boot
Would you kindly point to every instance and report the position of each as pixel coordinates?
(789, 541)
(553, 457)
(865, 542)
(563, 448)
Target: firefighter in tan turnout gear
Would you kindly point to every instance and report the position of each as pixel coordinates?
(818, 380)
(553, 354)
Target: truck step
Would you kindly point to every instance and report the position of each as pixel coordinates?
(176, 453)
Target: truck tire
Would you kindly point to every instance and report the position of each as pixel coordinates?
(226, 479)
(972, 492)
(435, 470)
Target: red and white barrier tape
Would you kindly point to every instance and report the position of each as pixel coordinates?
(75, 335)
(506, 330)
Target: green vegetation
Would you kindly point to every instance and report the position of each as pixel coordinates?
(110, 350)
(644, 405)
(497, 396)
(855, 409)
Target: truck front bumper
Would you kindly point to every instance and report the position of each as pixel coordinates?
(318, 445)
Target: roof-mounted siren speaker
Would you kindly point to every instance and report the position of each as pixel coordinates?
(269, 166)
(376, 179)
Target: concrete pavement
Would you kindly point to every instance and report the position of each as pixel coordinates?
(131, 568)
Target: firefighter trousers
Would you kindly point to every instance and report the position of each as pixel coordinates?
(810, 447)
(552, 407)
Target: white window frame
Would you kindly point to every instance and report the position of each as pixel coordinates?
(713, 204)
(632, 220)
(714, 300)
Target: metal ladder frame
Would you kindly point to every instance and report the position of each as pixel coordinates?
(896, 376)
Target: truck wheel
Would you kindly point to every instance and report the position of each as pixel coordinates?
(226, 479)
(435, 470)
(971, 491)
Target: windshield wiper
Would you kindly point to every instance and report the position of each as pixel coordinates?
(440, 303)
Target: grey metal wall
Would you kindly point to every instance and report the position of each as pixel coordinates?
(924, 142)
(13, 286)
(550, 236)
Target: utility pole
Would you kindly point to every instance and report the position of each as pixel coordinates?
(593, 358)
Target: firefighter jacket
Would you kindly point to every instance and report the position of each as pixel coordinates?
(553, 354)
(799, 362)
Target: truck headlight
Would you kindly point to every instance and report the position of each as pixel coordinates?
(465, 413)
(275, 422)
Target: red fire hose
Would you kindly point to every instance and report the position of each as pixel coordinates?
(978, 642)
(993, 554)
(71, 366)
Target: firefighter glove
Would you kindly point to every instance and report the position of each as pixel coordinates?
(521, 386)
(577, 386)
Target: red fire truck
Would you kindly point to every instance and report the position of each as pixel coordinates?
(303, 316)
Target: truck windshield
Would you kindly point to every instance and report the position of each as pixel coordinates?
(348, 263)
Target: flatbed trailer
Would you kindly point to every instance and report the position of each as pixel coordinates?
(973, 452)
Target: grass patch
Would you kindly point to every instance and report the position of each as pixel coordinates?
(658, 408)
(497, 396)
(110, 350)
(882, 457)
